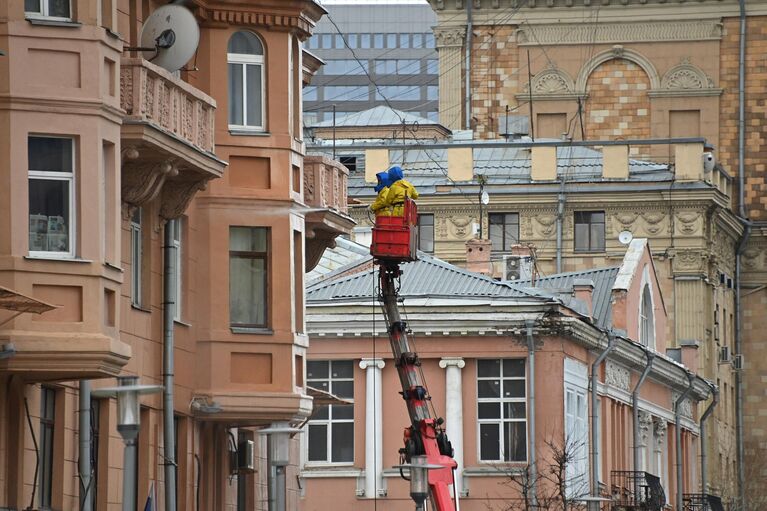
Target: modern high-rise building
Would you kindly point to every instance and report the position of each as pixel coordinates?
(374, 54)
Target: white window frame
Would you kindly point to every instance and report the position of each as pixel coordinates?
(500, 421)
(45, 9)
(57, 176)
(577, 425)
(328, 422)
(177, 228)
(244, 60)
(646, 325)
(136, 256)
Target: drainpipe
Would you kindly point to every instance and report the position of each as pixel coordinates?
(594, 447)
(703, 459)
(741, 246)
(533, 472)
(678, 438)
(635, 404)
(169, 311)
(468, 64)
(85, 446)
(560, 218)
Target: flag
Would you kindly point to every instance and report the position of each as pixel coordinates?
(149, 506)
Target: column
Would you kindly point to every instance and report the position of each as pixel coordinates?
(373, 426)
(450, 41)
(454, 412)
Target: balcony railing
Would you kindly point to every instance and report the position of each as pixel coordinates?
(631, 490)
(702, 502)
(325, 183)
(151, 94)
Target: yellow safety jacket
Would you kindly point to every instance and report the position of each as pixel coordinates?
(396, 196)
(380, 206)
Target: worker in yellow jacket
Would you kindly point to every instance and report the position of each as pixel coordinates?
(399, 188)
(380, 207)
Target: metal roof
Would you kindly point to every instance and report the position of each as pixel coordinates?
(377, 116)
(342, 255)
(428, 277)
(561, 285)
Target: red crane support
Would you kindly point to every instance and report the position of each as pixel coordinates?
(395, 242)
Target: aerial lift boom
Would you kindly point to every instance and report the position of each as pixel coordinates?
(395, 242)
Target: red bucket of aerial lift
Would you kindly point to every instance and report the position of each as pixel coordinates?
(396, 237)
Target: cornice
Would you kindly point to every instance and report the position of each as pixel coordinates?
(300, 16)
(614, 33)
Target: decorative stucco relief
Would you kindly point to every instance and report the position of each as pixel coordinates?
(449, 36)
(645, 425)
(659, 429)
(587, 33)
(617, 375)
(460, 227)
(545, 225)
(685, 407)
(688, 223)
(689, 261)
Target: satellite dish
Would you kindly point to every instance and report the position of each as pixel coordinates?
(485, 198)
(625, 237)
(173, 32)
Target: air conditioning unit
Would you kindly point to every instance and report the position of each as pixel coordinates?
(244, 458)
(737, 362)
(517, 267)
(725, 357)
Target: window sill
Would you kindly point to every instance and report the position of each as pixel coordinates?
(598, 251)
(53, 22)
(181, 322)
(328, 471)
(113, 34)
(246, 133)
(63, 259)
(113, 267)
(251, 330)
(139, 308)
(499, 470)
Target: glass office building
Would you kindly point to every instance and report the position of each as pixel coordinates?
(394, 44)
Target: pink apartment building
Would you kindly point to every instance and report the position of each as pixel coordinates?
(116, 173)
(508, 367)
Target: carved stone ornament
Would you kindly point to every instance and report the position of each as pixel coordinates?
(460, 227)
(545, 225)
(645, 425)
(449, 36)
(686, 76)
(617, 376)
(689, 261)
(551, 81)
(689, 222)
(753, 259)
(526, 226)
(659, 427)
(440, 227)
(142, 180)
(653, 221)
(176, 196)
(685, 407)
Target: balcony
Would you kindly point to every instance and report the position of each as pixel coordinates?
(635, 491)
(325, 194)
(701, 502)
(167, 138)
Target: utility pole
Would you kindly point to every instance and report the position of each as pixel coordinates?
(482, 180)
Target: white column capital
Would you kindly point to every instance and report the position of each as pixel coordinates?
(452, 362)
(366, 363)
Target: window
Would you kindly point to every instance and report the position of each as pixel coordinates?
(51, 196)
(432, 116)
(504, 230)
(310, 93)
(47, 423)
(391, 40)
(58, 9)
(353, 40)
(339, 42)
(345, 93)
(429, 40)
(408, 67)
(417, 40)
(426, 233)
(326, 41)
(576, 428)
(398, 92)
(314, 42)
(246, 81)
(365, 41)
(589, 231)
(344, 67)
(248, 271)
(502, 410)
(136, 256)
(331, 427)
(350, 162)
(378, 41)
(432, 92)
(432, 66)
(404, 40)
(646, 319)
(176, 227)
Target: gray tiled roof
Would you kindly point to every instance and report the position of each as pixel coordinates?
(427, 278)
(377, 116)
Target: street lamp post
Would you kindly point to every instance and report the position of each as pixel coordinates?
(279, 457)
(128, 423)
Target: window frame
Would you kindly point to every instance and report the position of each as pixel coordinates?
(647, 317)
(137, 252)
(267, 266)
(590, 224)
(177, 227)
(47, 446)
(244, 60)
(505, 244)
(329, 421)
(70, 178)
(45, 9)
(420, 226)
(501, 420)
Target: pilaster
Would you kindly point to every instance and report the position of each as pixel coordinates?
(450, 43)
(373, 424)
(454, 412)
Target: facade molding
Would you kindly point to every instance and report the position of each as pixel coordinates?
(617, 52)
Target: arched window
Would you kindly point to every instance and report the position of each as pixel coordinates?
(646, 319)
(245, 56)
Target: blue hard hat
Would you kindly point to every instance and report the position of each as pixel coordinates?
(395, 174)
(383, 181)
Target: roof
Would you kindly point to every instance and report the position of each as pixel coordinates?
(377, 116)
(561, 285)
(343, 254)
(428, 277)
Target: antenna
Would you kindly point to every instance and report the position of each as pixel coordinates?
(625, 237)
(173, 34)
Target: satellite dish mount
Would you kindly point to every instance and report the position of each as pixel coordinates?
(169, 38)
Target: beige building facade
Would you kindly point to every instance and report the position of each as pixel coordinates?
(112, 168)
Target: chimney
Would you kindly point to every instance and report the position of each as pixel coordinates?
(689, 349)
(583, 291)
(478, 256)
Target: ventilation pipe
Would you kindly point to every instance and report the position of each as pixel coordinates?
(169, 312)
(533, 471)
(703, 458)
(84, 454)
(635, 404)
(678, 437)
(594, 439)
